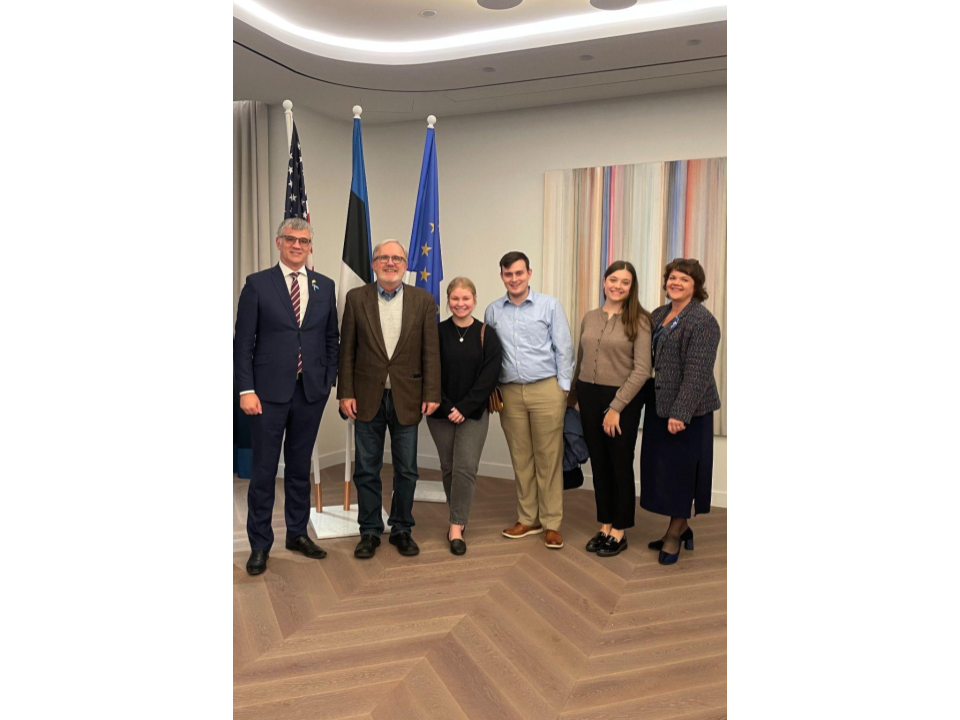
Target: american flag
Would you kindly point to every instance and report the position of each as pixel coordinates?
(296, 205)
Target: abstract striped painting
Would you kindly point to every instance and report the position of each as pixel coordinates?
(648, 214)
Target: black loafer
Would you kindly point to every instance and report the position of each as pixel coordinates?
(612, 546)
(257, 562)
(597, 541)
(405, 544)
(303, 544)
(457, 546)
(367, 546)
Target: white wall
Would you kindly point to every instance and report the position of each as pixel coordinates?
(491, 170)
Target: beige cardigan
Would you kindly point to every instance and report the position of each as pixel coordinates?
(607, 357)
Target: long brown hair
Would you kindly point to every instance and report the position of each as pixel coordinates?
(632, 309)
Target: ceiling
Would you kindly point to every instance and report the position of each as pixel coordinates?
(574, 64)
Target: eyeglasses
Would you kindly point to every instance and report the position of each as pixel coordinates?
(291, 240)
(384, 259)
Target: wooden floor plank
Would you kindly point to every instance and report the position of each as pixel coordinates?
(662, 706)
(325, 706)
(362, 635)
(677, 632)
(651, 655)
(671, 596)
(270, 669)
(642, 683)
(689, 609)
(268, 692)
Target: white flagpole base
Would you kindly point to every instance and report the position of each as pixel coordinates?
(429, 491)
(335, 522)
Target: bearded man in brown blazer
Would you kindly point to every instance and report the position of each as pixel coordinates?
(389, 378)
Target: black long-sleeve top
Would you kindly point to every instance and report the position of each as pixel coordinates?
(468, 372)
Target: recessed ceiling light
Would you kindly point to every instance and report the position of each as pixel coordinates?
(428, 13)
(693, 42)
(612, 4)
(500, 4)
(586, 57)
(489, 69)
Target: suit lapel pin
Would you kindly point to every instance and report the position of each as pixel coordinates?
(314, 284)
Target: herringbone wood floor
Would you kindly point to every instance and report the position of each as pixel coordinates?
(509, 630)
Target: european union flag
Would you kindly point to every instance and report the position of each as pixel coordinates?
(424, 253)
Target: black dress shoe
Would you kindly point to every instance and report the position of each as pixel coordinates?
(305, 545)
(367, 546)
(686, 538)
(457, 546)
(405, 544)
(612, 546)
(257, 562)
(596, 542)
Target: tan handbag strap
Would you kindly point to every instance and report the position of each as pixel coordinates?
(483, 326)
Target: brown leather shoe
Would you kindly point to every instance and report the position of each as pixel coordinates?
(553, 540)
(520, 530)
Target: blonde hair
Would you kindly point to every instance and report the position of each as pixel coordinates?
(461, 282)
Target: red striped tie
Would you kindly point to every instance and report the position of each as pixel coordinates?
(295, 299)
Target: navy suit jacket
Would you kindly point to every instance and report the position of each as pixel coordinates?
(267, 338)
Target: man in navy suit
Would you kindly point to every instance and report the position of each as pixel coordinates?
(285, 354)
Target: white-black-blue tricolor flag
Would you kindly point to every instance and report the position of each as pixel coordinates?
(355, 268)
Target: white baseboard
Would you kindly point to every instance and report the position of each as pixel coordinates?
(489, 469)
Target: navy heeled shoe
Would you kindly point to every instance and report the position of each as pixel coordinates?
(686, 539)
(670, 558)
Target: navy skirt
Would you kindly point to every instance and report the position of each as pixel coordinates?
(676, 471)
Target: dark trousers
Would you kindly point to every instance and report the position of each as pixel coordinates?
(300, 420)
(369, 461)
(611, 458)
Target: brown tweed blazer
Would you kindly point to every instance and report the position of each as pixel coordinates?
(415, 366)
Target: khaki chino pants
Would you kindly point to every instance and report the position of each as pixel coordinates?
(532, 422)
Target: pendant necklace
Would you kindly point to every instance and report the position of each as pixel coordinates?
(464, 332)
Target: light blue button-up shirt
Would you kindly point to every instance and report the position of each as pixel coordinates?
(536, 339)
(388, 296)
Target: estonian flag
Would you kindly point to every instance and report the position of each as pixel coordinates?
(424, 253)
(355, 270)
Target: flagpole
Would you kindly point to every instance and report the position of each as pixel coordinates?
(314, 460)
(357, 110)
(288, 112)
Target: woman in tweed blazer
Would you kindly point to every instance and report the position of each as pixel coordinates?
(676, 453)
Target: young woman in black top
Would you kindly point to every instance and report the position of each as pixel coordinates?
(469, 371)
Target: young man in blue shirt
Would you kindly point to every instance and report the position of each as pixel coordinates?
(535, 378)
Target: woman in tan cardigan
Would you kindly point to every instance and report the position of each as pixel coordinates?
(613, 363)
